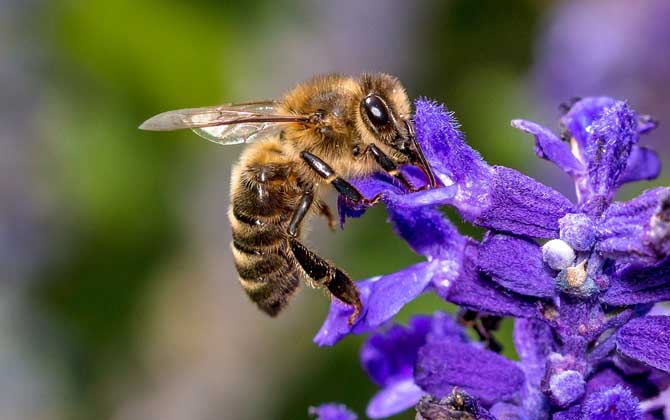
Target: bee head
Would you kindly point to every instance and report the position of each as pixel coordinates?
(383, 108)
(385, 115)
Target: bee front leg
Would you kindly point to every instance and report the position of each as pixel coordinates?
(341, 185)
(321, 271)
(389, 166)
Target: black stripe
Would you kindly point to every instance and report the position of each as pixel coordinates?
(245, 249)
(261, 237)
(260, 269)
(246, 219)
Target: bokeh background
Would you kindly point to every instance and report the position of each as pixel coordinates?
(118, 298)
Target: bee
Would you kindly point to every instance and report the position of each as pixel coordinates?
(320, 133)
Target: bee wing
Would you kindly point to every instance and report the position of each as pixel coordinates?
(226, 124)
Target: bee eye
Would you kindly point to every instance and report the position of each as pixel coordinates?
(376, 110)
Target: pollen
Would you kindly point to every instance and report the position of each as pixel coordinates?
(576, 275)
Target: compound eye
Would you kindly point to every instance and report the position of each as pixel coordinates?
(376, 110)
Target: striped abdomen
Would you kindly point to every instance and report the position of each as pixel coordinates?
(263, 202)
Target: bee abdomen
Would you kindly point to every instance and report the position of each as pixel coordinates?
(269, 278)
(259, 237)
(257, 267)
(256, 231)
(263, 201)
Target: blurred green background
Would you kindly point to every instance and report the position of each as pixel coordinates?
(118, 298)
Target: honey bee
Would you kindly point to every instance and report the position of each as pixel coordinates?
(321, 132)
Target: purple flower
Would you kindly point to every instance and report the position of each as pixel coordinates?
(601, 151)
(616, 403)
(332, 411)
(433, 355)
(590, 47)
(580, 299)
(389, 359)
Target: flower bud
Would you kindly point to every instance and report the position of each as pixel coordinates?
(558, 254)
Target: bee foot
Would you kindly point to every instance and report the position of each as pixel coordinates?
(369, 202)
(354, 316)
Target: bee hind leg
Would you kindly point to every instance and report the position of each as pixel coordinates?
(319, 270)
(338, 283)
(484, 326)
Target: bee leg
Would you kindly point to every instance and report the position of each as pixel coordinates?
(300, 213)
(318, 269)
(324, 273)
(389, 166)
(484, 326)
(341, 185)
(325, 211)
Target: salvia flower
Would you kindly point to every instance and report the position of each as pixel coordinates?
(611, 46)
(332, 411)
(580, 278)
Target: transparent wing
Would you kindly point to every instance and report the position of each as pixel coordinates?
(226, 124)
(238, 132)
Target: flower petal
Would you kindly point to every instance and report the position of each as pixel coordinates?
(634, 285)
(391, 292)
(572, 413)
(608, 149)
(647, 339)
(336, 326)
(534, 342)
(637, 230)
(581, 116)
(548, 146)
(389, 359)
(444, 326)
(451, 159)
(391, 355)
(473, 290)
(445, 364)
(643, 385)
(428, 232)
(332, 411)
(516, 264)
(643, 164)
(523, 206)
(482, 295)
(507, 411)
(368, 187)
(395, 398)
(382, 297)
